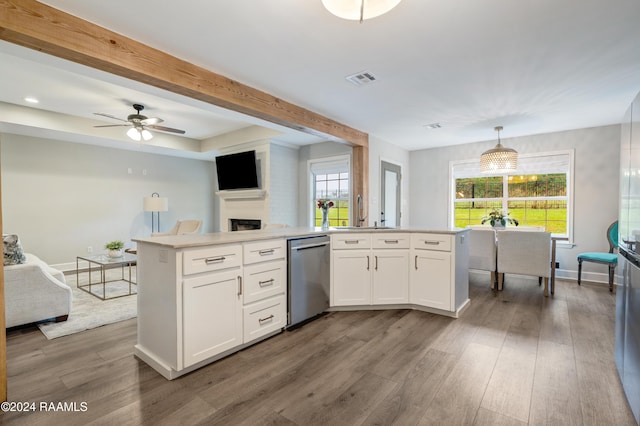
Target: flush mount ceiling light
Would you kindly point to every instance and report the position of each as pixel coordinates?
(499, 159)
(359, 10)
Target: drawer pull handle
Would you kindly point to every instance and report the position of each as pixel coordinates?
(416, 262)
(210, 260)
(432, 243)
(368, 263)
(266, 252)
(265, 283)
(269, 318)
(351, 241)
(376, 268)
(391, 241)
(239, 285)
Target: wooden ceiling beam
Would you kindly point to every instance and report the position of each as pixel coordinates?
(37, 26)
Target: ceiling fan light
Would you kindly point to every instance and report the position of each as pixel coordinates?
(499, 159)
(146, 135)
(134, 134)
(358, 10)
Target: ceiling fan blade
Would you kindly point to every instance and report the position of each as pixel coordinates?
(109, 116)
(151, 121)
(114, 125)
(166, 129)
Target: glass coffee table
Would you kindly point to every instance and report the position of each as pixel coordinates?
(121, 286)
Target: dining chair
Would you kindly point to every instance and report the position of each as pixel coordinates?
(482, 251)
(608, 258)
(524, 253)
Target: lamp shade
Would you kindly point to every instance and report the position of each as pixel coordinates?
(358, 10)
(155, 204)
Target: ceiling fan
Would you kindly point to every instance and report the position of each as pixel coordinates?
(139, 124)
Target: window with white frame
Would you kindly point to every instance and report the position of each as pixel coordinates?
(331, 180)
(537, 194)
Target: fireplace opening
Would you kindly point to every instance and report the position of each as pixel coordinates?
(244, 224)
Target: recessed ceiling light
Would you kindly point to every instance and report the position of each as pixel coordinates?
(433, 126)
(31, 100)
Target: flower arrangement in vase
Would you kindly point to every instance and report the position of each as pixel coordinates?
(324, 205)
(497, 218)
(115, 248)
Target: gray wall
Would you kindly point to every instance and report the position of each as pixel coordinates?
(597, 165)
(283, 193)
(62, 197)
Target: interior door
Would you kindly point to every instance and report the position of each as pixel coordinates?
(390, 177)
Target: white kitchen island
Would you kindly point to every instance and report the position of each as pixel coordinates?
(203, 297)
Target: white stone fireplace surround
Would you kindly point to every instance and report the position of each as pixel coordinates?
(251, 204)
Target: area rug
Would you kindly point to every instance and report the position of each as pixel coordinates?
(89, 312)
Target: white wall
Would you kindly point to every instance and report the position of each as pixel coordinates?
(62, 197)
(597, 165)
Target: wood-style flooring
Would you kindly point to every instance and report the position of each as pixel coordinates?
(513, 358)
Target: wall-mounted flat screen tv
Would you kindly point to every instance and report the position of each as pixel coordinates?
(237, 171)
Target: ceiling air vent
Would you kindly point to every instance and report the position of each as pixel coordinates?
(361, 78)
(433, 126)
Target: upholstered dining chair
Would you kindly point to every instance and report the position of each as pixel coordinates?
(524, 253)
(182, 227)
(482, 250)
(608, 258)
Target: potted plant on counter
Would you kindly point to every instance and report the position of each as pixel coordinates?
(498, 219)
(115, 248)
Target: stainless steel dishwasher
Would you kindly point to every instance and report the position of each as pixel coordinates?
(307, 278)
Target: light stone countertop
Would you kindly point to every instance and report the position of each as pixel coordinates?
(217, 238)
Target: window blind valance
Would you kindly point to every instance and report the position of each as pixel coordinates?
(528, 164)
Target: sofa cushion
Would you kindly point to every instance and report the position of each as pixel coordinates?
(12, 249)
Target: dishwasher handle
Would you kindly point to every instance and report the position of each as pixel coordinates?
(310, 246)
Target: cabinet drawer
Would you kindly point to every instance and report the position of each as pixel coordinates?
(437, 242)
(264, 317)
(264, 250)
(350, 241)
(391, 240)
(211, 259)
(264, 280)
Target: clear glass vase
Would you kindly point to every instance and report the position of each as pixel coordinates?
(325, 218)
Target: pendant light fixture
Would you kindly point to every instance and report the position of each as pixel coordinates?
(359, 10)
(499, 159)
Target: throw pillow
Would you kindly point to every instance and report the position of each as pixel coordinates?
(12, 248)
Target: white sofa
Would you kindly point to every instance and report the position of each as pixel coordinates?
(33, 291)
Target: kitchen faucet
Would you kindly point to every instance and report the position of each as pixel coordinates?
(359, 208)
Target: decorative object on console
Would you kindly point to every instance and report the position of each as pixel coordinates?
(115, 248)
(359, 10)
(13, 253)
(499, 159)
(324, 206)
(498, 219)
(155, 204)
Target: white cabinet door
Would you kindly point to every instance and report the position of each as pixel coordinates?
(212, 315)
(351, 277)
(430, 279)
(390, 276)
